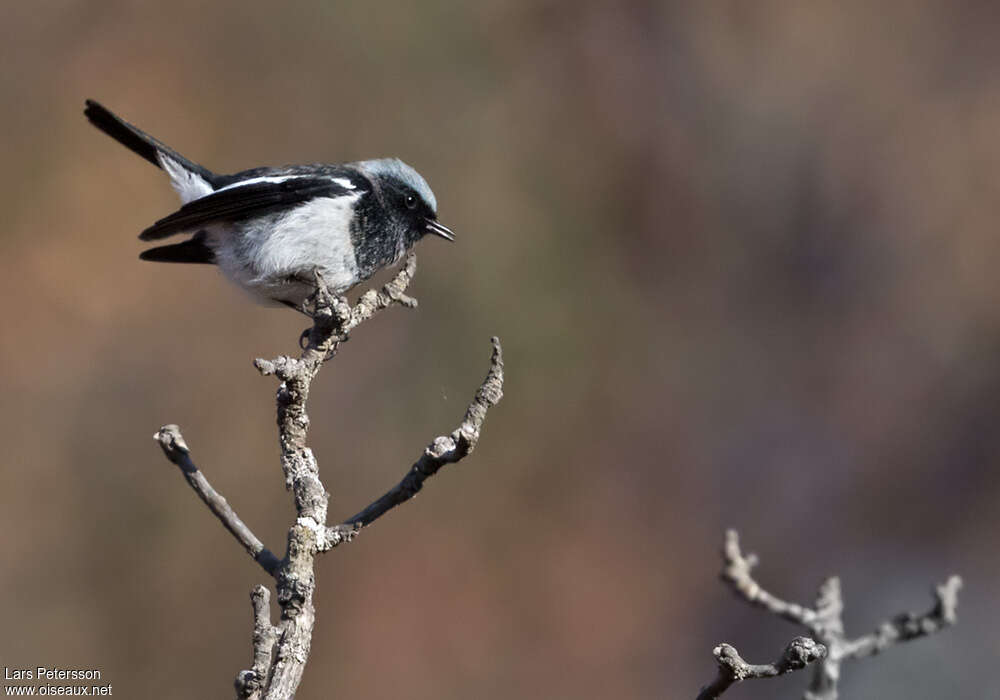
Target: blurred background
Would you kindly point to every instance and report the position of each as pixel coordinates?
(742, 257)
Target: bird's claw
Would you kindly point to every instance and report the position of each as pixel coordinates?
(336, 346)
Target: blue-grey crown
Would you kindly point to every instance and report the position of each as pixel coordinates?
(395, 168)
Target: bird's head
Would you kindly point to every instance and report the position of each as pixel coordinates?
(406, 200)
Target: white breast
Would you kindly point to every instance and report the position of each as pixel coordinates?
(265, 255)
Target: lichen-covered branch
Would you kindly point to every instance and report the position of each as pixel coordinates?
(333, 318)
(176, 450)
(825, 621)
(799, 653)
(280, 651)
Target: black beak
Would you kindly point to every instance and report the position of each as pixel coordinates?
(440, 230)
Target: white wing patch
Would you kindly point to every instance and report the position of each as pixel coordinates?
(342, 181)
(189, 185)
(255, 180)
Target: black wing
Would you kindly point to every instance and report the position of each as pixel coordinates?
(242, 201)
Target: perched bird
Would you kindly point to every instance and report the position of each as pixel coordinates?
(270, 229)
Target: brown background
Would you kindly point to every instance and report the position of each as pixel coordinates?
(742, 256)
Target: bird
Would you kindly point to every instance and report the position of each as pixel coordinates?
(272, 229)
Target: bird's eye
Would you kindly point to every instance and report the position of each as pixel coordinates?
(411, 201)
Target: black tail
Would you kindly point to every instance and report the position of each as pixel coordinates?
(137, 140)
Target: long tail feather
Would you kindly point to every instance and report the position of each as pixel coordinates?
(138, 141)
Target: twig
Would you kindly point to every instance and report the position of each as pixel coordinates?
(825, 622)
(799, 653)
(176, 450)
(441, 451)
(907, 626)
(251, 683)
(737, 573)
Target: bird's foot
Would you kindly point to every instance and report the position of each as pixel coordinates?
(331, 351)
(322, 299)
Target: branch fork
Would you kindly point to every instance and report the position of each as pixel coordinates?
(824, 622)
(280, 651)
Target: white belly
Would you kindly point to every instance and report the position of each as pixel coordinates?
(273, 257)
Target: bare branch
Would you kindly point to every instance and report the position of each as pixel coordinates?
(373, 301)
(907, 626)
(176, 450)
(799, 653)
(280, 651)
(736, 572)
(333, 318)
(826, 623)
(441, 451)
